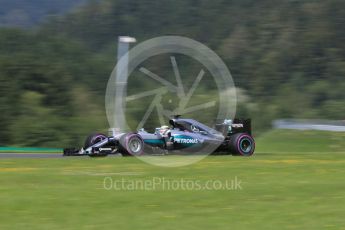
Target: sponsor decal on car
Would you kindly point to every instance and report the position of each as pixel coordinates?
(181, 139)
(237, 125)
(186, 141)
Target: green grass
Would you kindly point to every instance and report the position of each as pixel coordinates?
(281, 190)
(292, 141)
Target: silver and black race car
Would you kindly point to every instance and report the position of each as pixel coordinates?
(184, 136)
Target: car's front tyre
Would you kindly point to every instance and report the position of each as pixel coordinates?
(93, 139)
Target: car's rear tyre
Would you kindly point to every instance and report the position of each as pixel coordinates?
(131, 144)
(242, 144)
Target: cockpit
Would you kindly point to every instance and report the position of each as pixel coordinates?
(188, 125)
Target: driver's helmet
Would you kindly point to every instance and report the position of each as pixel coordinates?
(194, 128)
(164, 130)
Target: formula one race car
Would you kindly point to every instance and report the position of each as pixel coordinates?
(184, 136)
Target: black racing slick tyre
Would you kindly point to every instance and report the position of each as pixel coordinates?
(131, 144)
(93, 139)
(242, 144)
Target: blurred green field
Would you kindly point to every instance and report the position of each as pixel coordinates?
(294, 141)
(280, 190)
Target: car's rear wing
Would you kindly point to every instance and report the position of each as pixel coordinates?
(242, 126)
(238, 125)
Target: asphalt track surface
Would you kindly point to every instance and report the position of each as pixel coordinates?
(41, 155)
(31, 155)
